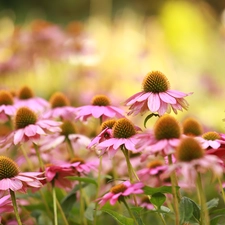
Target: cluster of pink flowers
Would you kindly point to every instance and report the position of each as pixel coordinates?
(53, 138)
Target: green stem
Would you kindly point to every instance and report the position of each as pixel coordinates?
(98, 189)
(70, 148)
(30, 165)
(204, 210)
(174, 193)
(82, 217)
(54, 204)
(221, 187)
(39, 157)
(13, 197)
(62, 213)
(129, 210)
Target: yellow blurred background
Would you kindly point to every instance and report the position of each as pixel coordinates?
(109, 51)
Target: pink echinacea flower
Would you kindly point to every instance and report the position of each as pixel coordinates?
(156, 96)
(119, 191)
(100, 108)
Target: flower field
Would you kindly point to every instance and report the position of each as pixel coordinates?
(113, 120)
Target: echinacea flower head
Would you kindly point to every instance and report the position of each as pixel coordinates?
(167, 133)
(82, 167)
(29, 127)
(191, 127)
(192, 159)
(106, 133)
(60, 107)
(119, 191)
(124, 134)
(152, 170)
(57, 174)
(100, 108)
(211, 140)
(11, 177)
(7, 109)
(26, 97)
(5, 205)
(156, 97)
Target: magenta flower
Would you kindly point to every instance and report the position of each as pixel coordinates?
(156, 96)
(119, 191)
(100, 108)
(124, 134)
(153, 170)
(5, 204)
(11, 178)
(58, 174)
(29, 127)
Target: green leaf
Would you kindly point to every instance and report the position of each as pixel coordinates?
(149, 117)
(89, 212)
(138, 218)
(118, 217)
(212, 203)
(163, 189)
(84, 179)
(186, 210)
(158, 199)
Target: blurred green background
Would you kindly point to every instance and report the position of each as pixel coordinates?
(123, 41)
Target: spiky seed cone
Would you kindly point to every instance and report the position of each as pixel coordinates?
(100, 100)
(58, 99)
(154, 164)
(67, 128)
(123, 128)
(188, 150)
(167, 127)
(192, 127)
(6, 98)
(25, 93)
(108, 124)
(77, 159)
(24, 117)
(118, 188)
(8, 168)
(211, 135)
(155, 82)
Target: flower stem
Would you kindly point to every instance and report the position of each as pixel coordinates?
(222, 190)
(129, 210)
(175, 193)
(204, 210)
(62, 213)
(13, 197)
(30, 165)
(54, 204)
(70, 148)
(98, 188)
(39, 157)
(82, 217)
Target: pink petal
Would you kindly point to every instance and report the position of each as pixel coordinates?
(18, 136)
(153, 102)
(178, 94)
(167, 98)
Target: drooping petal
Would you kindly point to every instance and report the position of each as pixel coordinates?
(153, 102)
(167, 98)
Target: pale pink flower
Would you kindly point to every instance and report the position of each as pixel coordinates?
(119, 191)
(211, 140)
(63, 113)
(156, 97)
(11, 178)
(100, 108)
(29, 128)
